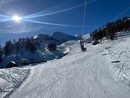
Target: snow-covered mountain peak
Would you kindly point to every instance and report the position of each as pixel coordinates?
(35, 36)
(43, 37)
(60, 36)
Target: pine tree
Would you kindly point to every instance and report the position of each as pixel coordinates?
(8, 48)
(51, 46)
(32, 47)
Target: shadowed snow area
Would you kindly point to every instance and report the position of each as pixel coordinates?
(102, 71)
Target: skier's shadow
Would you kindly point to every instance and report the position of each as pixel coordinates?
(115, 61)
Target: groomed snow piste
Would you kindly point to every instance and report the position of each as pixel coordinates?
(103, 71)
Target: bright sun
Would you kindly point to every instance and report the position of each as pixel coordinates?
(16, 18)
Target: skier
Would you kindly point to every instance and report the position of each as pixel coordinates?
(82, 45)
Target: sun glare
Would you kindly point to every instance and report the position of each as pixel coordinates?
(16, 18)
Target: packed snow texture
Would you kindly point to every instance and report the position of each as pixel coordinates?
(102, 71)
(118, 53)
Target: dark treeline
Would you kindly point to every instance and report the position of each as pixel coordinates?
(51, 46)
(17, 47)
(1, 54)
(26, 46)
(110, 29)
(23, 44)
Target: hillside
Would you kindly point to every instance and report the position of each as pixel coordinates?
(102, 71)
(34, 49)
(111, 29)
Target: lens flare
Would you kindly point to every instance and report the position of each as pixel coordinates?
(29, 18)
(53, 24)
(16, 18)
(47, 14)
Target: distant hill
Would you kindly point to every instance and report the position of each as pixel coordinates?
(62, 37)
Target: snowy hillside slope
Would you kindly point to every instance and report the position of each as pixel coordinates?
(41, 54)
(119, 54)
(100, 72)
(123, 34)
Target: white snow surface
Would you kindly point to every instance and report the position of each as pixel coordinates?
(103, 71)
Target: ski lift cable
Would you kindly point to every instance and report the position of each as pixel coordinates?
(84, 16)
(128, 8)
(83, 25)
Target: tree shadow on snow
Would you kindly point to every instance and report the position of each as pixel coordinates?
(104, 54)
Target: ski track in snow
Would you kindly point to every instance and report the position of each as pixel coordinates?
(77, 75)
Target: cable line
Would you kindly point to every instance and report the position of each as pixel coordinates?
(84, 16)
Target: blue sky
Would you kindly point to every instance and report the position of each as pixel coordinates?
(98, 13)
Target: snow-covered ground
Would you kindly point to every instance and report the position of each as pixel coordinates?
(118, 53)
(103, 71)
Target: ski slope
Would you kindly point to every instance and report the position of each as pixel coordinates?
(97, 73)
